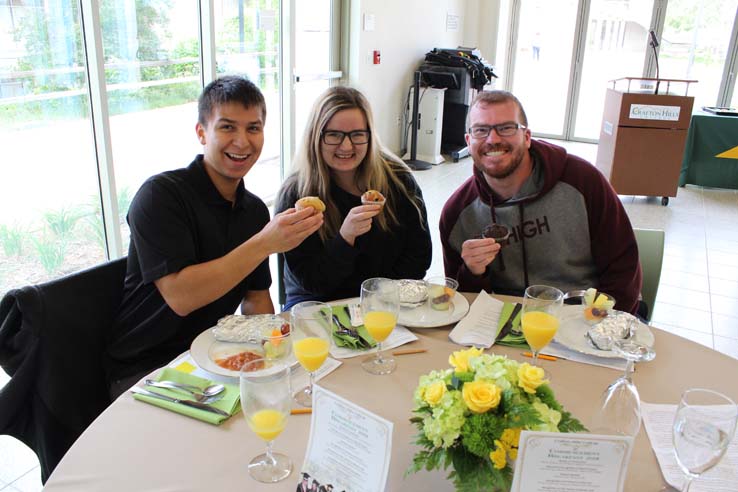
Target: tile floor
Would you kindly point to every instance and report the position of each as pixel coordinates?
(697, 298)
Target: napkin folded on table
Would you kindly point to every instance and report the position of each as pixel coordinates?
(230, 402)
(511, 339)
(345, 340)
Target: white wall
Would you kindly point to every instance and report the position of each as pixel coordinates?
(404, 32)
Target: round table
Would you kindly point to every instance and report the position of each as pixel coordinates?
(136, 446)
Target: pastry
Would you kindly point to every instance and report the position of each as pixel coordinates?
(498, 232)
(310, 201)
(372, 197)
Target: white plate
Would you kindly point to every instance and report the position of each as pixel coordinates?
(426, 317)
(573, 328)
(205, 343)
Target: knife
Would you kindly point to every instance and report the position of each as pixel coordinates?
(189, 403)
(507, 327)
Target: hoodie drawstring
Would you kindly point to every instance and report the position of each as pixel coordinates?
(522, 244)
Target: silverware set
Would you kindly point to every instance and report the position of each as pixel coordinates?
(203, 397)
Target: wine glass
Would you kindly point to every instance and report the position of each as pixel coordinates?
(380, 306)
(540, 318)
(312, 334)
(620, 405)
(266, 401)
(703, 427)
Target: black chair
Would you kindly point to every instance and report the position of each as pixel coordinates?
(52, 339)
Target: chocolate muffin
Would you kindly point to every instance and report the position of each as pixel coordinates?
(498, 232)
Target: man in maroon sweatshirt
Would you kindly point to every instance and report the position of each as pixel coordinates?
(567, 226)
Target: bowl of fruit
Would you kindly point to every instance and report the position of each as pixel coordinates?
(597, 305)
(276, 339)
(441, 291)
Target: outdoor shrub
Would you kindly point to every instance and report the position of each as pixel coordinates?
(50, 252)
(62, 222)
(12, 239)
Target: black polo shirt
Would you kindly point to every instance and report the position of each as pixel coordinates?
(178, 218)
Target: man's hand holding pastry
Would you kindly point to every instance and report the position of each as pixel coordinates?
(478, 253)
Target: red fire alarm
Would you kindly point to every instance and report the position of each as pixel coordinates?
(377, 57)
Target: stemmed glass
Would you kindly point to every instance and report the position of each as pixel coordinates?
(380, 306)
(703, 427)
(540, 318)
(312, 333)
(620, 405)
(266, 400)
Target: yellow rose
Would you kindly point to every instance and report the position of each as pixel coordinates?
(498, 456)
(434, 392)
(459, 360)
(481, 396)
(530, 377)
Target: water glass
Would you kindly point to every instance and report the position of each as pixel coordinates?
(620, 405)
(703, 428)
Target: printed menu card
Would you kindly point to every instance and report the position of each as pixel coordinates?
(561, 462)
(349, 447)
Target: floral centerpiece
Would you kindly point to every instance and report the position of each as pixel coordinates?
(470, 417)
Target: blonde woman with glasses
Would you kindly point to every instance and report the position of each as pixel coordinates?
(339, 160)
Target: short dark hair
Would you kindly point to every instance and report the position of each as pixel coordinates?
(230, 88)
(498, 97)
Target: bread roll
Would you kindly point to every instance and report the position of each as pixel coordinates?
(310, 201)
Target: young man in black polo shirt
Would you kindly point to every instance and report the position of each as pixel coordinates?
(200, 242)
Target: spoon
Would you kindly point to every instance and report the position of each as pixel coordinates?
(200, 394)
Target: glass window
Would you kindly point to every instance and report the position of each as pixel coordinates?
(312, 56)
(247, 43)
(694, 45)
(543, 61)
(50, 221)
(152, 71)
(616, 46)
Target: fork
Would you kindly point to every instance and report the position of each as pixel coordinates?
(202, 398)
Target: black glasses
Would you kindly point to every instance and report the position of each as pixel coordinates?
(335, 137)
(507, 129)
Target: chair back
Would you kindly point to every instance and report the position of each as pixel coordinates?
(52, 341)
(651, 255)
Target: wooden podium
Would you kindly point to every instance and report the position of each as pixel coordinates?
(642, 136)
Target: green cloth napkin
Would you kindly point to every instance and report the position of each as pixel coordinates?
(349, 341)
(229, 403)
(511, 339)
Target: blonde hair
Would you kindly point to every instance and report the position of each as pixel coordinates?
(379, 169)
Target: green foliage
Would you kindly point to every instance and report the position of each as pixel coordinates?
(62, 222)
(472, 473)
(51, 252)
(12, 239)
(480, 431)
(568, 423)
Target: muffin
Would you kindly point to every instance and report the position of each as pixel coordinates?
(372, 197)
(498, 232)
(310, 201)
